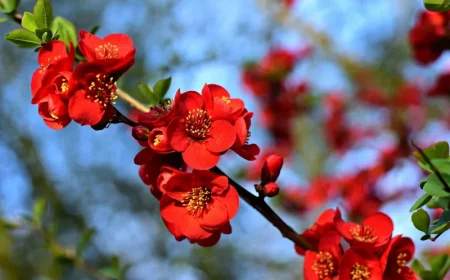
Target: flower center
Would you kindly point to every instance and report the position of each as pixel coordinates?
(159, 111)
(196, 200)
(324, 266)
(401, 261)
(102, 90)
(198, 123)
(226, 100)
(158, 138)
(360, 272)
(53, 116)
(107, 51)
(363, 233)
(62, 84)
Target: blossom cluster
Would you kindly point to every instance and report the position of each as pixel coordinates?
(183, 138)
(87, 92)
(370, 253)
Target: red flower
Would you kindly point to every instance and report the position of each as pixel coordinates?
(360, 265)
(50, 53)
(394, 259)
(323, 226)
(196, 135)
(324, 264)
(241, 146)
(201, 203)
(225, 107)
(428, 37)
(372, 235)
(161, 115)
(53, 110)
(113, 46)
(442, 86)
(159, 142)
(271, 168)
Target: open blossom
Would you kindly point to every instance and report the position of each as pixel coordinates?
(394, 260)
(360, 265)
(161, 115)
(324, 264)
(196, 134)
(241, 145)
(372, 235)
(200, 203)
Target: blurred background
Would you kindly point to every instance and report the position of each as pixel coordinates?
(340, 140)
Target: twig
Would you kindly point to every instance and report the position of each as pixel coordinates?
(132, 101)
(433, 168)
(121, 118)
(262, 207)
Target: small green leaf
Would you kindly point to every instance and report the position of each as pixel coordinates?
(84, 241)
(417, 267)
(95, 29)
(421, 220)
(147, 92)
(38, 211)
(2, 19)
(440, 265)
(428, 275)
(442, 223)
(23, 38)
(43, 13)
(28, 22)
(420, 202)
(44, 34)
(436, 229)
(113, 270)
(437, 5)
(440, 150)
(425, 237)
(435, 187)
(66, 29)
(160, 88)
(9, 6)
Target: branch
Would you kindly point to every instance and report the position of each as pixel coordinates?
(433, 168)
(262, 207)
(132, 101)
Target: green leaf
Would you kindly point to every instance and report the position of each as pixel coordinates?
(160, 88)
(9, 6)
(2, 19)
(45, 34)
(147, 92)
(442, 223)
(417, 267)
(425, 237)
(43, 13)
(428, 275)
(66, 29)
(440, 265)
(95, 29)
(421, 220)
(437, 5)
(420, 202)
(113, 270)
(38, 211)
(84, 241)
(435, 187)
(23, 38)
(440, 150)
(28, 22)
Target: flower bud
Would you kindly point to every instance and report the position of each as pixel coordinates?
(271, 168)
(271, 189)
(140, 133)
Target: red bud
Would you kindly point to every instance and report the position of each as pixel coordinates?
(271, 168)
(140, 133)
(271, 189)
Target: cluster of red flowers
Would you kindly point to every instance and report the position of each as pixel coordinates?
(192, 132)
(85, 94)
(280, 102)
(429, 38)
(371, 253)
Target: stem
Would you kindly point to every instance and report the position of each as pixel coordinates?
(262, 207)
(132, 101)
(120, 118)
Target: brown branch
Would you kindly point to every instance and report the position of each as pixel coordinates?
(433, 168)
(262, 207)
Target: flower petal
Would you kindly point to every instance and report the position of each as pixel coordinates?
(83, 110)
(222, 136)
(176, 133)
(171, 210)
(215, 216)
(197, 156)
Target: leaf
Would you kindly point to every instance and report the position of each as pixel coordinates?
(113, 270)
(421, 220)
(442, 223)
(440, 265)
(66, 30)
(2, 19)
(28, 22)
(95, 29)
(9, 6)
(425, 237)
(84, 241)
(417, 266)
(437, 5)
(160, 88)
(148, 93)
(43, 13)
(38, 211)
(420, 202)
(440, 150)
(23, 38)
(45, 34)
(435, 187)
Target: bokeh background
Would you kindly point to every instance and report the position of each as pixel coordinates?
(90, 181)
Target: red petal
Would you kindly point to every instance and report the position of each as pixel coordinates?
(172, 211)
(248, 152)
(308, 272)
(226, 229)
(122, 41)
(190, 100)
(211, 241)
(175, 230)
(87, 44)
(382, 224)
(208, 99)
(56, 106)
(36, 80)
(52, 52)
(241, 129)
(215, 216)
(197, 156)
(191, 228)
(218, 91)
(221, 136)
(176, 132)
(231, 200)
(219, 185)
(83, 110)
(179, 184)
